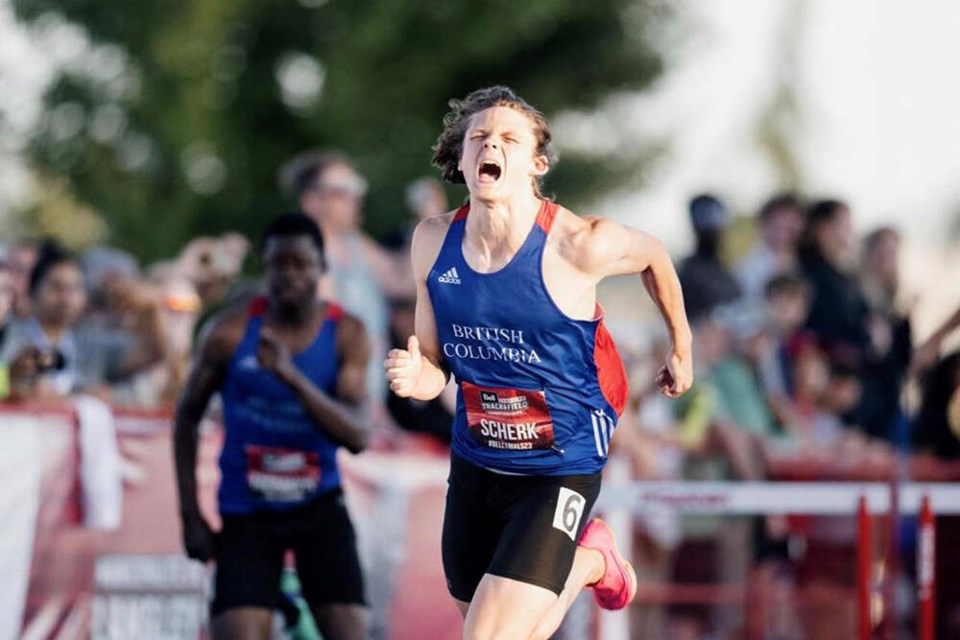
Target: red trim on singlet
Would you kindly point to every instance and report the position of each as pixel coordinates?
(545, 217)
(334, 312)
(610, 372)
(547, 214)
(258, 306)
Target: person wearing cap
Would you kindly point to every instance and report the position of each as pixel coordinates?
(706, 281)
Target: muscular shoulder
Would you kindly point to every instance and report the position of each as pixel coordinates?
(350, 330)
(427, 241)
(585, 241)
(224, 332)
(602, 247)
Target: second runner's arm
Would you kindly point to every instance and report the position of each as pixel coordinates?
(344, 418)
(205, 379)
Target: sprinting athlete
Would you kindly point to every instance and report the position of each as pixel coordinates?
(506, 301)
(290, 370)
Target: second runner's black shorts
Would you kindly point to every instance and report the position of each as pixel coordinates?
(524, 528)
(250, 551)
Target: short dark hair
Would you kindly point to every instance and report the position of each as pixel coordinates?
(824, 211)
(300, 174)
(449, 145)
(787, 283)
(290, 224)
(50, 254)
(785, 200)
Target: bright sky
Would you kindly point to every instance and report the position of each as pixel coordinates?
(879, 111)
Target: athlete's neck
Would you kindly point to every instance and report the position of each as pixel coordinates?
(501, 225)
(290, 315)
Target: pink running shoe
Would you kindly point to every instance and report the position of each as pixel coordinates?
(618, 585)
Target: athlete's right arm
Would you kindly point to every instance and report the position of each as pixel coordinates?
(205, 379)
(419, 371)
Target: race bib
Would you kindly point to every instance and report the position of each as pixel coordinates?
(278, 474)
(508, 418)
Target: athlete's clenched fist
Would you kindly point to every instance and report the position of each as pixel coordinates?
(676, 375)
(404, 367)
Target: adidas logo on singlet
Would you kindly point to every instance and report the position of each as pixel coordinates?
(450, 277)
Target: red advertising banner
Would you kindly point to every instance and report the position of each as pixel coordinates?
(135, 582)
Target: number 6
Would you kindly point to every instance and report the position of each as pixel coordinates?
(571, 514)
(569, 510)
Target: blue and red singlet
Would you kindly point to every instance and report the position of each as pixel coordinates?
(274, 456)
(540, 393)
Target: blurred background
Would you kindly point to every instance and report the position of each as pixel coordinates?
(148, 139)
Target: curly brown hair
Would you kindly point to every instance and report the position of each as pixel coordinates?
(449, 145)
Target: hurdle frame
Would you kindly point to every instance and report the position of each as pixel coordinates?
(862, 500)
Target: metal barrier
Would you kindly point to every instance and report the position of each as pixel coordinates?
(862, 499)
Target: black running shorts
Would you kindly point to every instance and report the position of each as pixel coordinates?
(250, 552)
(521, 527)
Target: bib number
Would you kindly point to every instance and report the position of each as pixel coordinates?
(569, 511)
(509, 419)
(278, 474)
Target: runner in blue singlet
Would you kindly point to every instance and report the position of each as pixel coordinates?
(291, 373)
(506, 302)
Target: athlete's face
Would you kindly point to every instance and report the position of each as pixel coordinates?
(294, 266)
(500, 154)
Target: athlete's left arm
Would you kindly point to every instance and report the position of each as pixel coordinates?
(344, 418)
(616, 249)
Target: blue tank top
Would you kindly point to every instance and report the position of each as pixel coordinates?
(539, 392)
(274, 457)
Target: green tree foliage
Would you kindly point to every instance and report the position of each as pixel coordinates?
(175, 119)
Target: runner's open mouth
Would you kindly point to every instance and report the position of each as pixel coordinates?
(489, 169)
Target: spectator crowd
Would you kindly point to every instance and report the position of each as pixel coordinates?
(802, 350)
